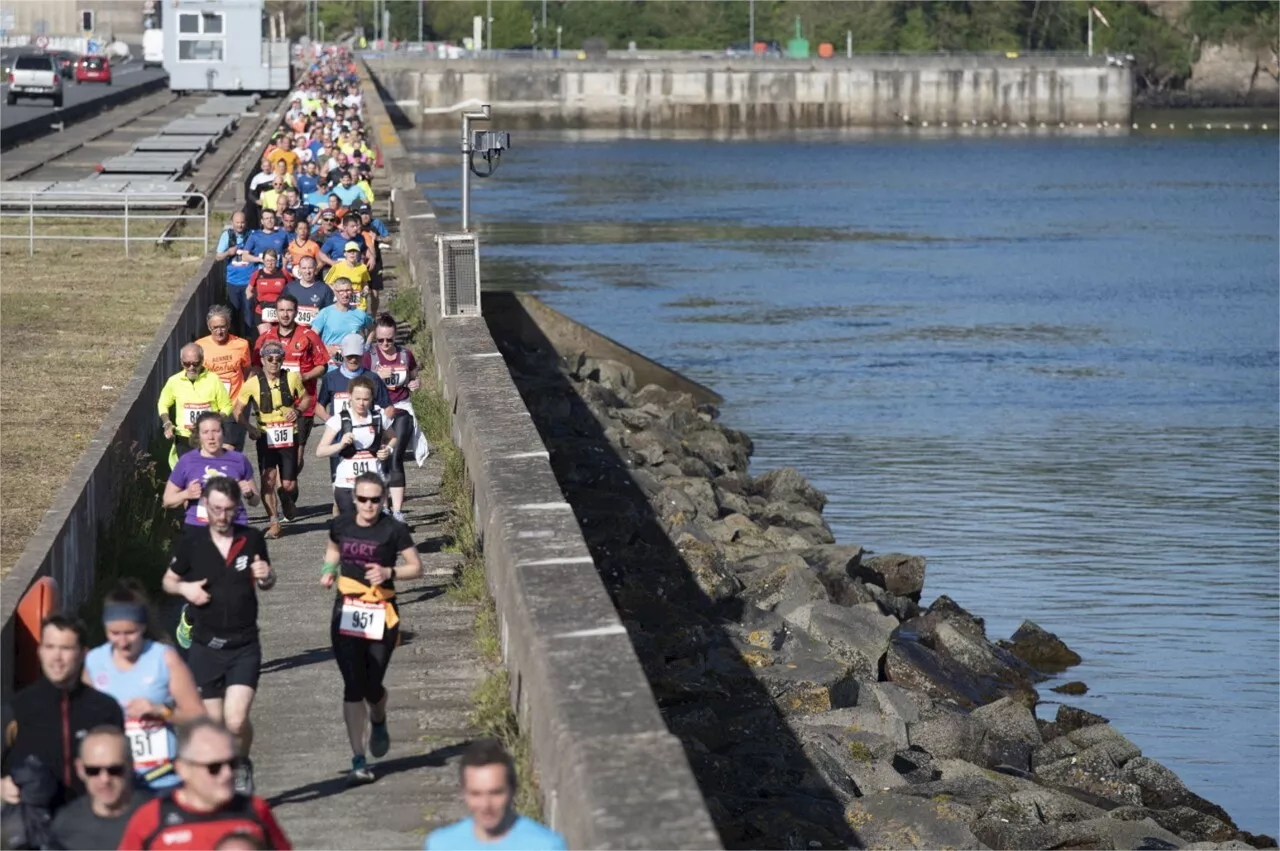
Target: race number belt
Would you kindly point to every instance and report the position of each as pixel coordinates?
(279, 435)
(191, 412)
(358, 464)
(354, 592)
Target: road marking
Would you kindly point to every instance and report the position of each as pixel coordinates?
(545, 506)
(542, 562)
(616, 629)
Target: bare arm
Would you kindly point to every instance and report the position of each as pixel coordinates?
(412, 567)
(330, 444)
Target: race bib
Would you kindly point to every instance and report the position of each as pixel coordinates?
(149, 742)
(362, 620)
(201, 514)
(293, 366)
(280, 435)
(397, 377)
(358, 464)
(306, 314)
(268, 314)
(191, 412)
(226, 382)
(341, 402)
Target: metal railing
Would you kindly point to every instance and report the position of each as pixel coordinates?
(46, 209)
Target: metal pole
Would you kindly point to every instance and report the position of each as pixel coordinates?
(751, 33)
(126, 225)
(467, 118)
(559, 29)
(420, 21)
(544, 15)
(1089, 15)
(488, 23)
(848, 44)
(31, 224)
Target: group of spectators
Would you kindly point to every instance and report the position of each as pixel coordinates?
(141, 742)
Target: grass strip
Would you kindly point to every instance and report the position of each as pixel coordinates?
(491, 712)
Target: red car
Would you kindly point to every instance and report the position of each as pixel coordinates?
(93, 69)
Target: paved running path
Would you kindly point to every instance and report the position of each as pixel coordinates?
(300, 751)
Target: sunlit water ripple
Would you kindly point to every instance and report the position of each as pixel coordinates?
(1049, 366)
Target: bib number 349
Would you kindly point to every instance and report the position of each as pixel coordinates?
(363, 620)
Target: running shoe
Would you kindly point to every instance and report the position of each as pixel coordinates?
(244, 777)
(183, 635)
(379, 738)
(360, 772)
(288, 505)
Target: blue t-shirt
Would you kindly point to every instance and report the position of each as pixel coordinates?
(333, 324)
(306, 184)
(314, 298)
(525, 835)
(318, 199)
(336, 381)
(334, 246)
(260, 241)
(348, 194)
(238, 274)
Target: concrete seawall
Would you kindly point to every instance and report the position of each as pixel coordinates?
(611, 774)
(763, 94)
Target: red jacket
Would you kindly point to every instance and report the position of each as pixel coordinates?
(164, 823)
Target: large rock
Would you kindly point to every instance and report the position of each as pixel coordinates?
(893, 700)
(858, 635)
(699, 493)
(782, 589)
(1103, 833)
(913, 666)
(1161, 789)
(944, 732)
(896, 573)
(1011, 733)
(853, 720)
(793, 515)
(610, 373)
(982, 658)
(1119, 748)
(1040, 648)
(707, 569)
(807, 686)
(652, 394)
(892, 821)
(1189, 824)
(1094, 771)
(713, 448)
(787, 485)
(730, 527)
(946, 609)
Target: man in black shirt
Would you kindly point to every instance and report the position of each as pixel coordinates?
(47, 718)
(218, 570)
(97, 820)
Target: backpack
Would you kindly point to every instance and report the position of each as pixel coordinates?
(264, 392)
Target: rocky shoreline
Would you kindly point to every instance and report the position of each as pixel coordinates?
(820, 703)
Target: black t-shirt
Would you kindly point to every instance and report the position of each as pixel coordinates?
(75, 827)
(231, 614)
(380, 543)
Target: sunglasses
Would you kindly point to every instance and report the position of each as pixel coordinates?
(215, 768)
(112, 770)
(273, 357)
(368, 499)
(190, 364)
(386, 339)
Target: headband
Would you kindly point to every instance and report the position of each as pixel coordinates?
(132, 612)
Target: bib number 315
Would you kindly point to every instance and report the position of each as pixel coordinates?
(363, 620)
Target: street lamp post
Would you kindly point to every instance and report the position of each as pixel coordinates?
(488, 24)
(751, 31)
(559, 30)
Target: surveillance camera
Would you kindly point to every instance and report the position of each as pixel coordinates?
(490, 141)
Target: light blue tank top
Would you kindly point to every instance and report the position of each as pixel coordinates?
(149, 679)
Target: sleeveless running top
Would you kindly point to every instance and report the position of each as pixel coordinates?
(154, 745)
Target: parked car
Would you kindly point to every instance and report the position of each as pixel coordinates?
(93, 69)
(35, 75)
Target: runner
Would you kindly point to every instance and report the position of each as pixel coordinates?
(398, 370)
(227, 356)
(312, 296)
(265, 287)
(280, 399)
(148, 679)
(209, 570)
(267, 236)
(209, 805)
(190, 393)
(352, 268)
(488, 777)
(301, 246)
(186, 483)
(340, 319)
(98, 819)
(361, 561)
(334, 396)
(236, 267)
(359, 439)
(305, 354)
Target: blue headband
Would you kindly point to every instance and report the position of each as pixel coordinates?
(132, 612)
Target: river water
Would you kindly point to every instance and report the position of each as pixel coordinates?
(1048, 365)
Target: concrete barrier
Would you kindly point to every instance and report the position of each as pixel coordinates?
(65, 544)
(32, 128)
(611, 774)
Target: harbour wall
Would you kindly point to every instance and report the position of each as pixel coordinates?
(752, 94)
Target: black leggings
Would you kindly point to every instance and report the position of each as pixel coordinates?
(402, 426)
(363, 663)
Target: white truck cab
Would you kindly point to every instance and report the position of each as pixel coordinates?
(152, 48)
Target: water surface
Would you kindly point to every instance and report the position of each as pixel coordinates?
(1049, 365)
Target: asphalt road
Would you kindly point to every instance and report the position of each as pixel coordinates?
(127, 74)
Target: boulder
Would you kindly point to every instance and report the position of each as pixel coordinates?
(699, 493)
(792, 515)
(982, 658)
(853, 720)
(787, 485)
(1075, 688)
(1189, 824)
(1052, 751)
(1161, 789)
(1118, 747)
(667, 400)
(610, 373)
(1093, 771)
(916, 765)
(810, 685)
(896, 573)
(781, 826)
(1104, 833)
(893, 700)
(782, 589)
(1010, 732)
(714, 449)
(913, 666)
(693, 467)
(944, 732)
(707, 569)
(1071, 718)
(786, 539)
(947, 609)
(889, 820)
(730, 502)
(673, 506)
(1040, 649)
(858, 635)
(731, 526)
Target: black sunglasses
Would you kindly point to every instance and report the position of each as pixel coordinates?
(215, 768)
(369, 499)
(113, 770)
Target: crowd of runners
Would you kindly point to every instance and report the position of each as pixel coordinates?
(139, 743)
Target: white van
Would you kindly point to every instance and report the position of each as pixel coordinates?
(152, 48)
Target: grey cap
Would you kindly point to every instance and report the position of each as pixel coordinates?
(352, 344)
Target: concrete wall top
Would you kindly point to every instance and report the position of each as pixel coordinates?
(611, 774)
(877, 61)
